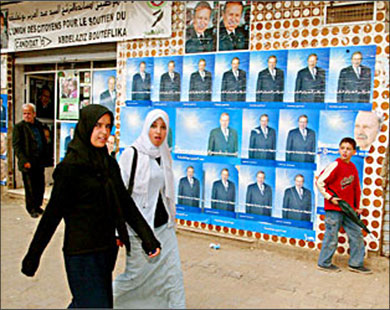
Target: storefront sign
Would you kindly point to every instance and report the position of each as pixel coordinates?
(41, 25)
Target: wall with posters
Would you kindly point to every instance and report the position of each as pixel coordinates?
(287, 37)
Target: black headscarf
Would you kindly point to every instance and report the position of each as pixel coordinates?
(80, 149)
(82, 153)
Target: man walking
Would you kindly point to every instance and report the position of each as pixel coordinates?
(30, 148)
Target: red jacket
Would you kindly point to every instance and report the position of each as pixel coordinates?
(343, 179)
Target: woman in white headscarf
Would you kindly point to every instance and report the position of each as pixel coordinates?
(156, 283)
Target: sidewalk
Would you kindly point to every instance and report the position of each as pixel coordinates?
(239, 275)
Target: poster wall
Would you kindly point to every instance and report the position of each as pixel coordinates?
(56, 25)
(254, 129)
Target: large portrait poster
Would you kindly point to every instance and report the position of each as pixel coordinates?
(217, 25)
(69, 95)
(104, 88)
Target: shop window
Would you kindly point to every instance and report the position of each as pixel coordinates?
(104, 64)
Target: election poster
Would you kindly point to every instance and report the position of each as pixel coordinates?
(69, 95)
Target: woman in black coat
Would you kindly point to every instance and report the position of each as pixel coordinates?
(90, 196)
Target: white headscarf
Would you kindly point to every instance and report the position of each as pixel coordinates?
(145, 146)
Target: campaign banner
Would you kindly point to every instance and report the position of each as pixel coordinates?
(56, 24)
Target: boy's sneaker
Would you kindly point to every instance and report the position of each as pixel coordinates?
(331, 268)
(361, 269)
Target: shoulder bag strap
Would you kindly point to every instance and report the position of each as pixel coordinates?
(133, 169)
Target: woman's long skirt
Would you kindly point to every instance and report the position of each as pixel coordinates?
(150, 283)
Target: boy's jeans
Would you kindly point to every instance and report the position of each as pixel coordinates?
(333, 221)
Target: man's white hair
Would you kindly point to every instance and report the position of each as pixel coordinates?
(30, 105)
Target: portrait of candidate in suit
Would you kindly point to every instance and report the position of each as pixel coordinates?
(297, 202)
(259, 196)
(262, 142)
(354, 83)
(170, 84)
(223, 193)
(200, 35)
(140, 88)
(68, 138)
(200, 83)
(270, 83)
(189, 189)
(232, 35)
(367, 127)
(108, 97)
(223, 140)
(301, 142)
(310, 82)
(233, 87)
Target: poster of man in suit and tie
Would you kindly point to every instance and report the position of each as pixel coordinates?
(139, 76)
(297, 135)
(201, 30)
(266, 82)
(294, 194)
(233, 27)
(199, 132)
(167, 78)
(106, 80)
(257, 184)
(262, 126)
(233, 69)
(351, 74)
(66, 135)
(223, 140)
(141, 84)
(221, 184)
(197, 78)
(189, 185)
(306, 75)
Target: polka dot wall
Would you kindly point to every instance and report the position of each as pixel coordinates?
(290, 25)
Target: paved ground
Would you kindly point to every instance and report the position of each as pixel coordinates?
(239, 275)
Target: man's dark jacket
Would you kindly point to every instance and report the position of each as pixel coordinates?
(268, 89)
(26, 147)
(353, 89)
(233, 89)
(309, 89)
(238, 41)
(141, 88)
(200, 89)
(200, 45)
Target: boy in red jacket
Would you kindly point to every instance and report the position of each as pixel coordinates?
(342, 177)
